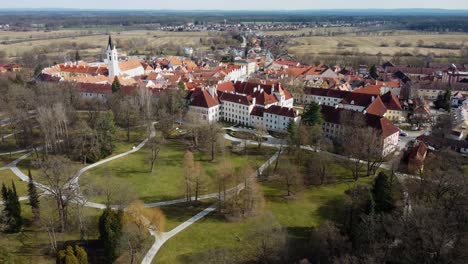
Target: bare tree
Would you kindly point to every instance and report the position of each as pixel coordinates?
(155, 144)
(57, 172)
(260, 133)
(212, 138)
(353, 125)
(199, 180)
(290, 178)
(189, 168)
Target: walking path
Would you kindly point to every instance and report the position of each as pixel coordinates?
(162, 237)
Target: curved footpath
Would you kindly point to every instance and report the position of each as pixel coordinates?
(162, 237)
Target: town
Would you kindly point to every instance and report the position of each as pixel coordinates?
(233, 147)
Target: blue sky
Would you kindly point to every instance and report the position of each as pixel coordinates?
(235, 4)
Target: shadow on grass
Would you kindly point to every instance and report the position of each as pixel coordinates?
(330, 210)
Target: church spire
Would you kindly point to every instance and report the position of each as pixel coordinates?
(110, 46)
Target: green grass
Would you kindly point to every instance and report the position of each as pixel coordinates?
(208, 233)
(178, 213)
(308, 209)
(166, 181)
(7, 177)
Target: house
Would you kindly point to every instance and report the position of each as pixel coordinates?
(204, 104)
(416, 157)
(394, 111)
(333, 128)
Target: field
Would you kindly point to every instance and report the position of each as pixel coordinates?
(385, 43)
(95, 44)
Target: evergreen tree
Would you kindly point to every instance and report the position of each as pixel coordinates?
(443, 101)
(312, 115)
(77, 56)
(116, 85)
(382, 194)
(110, 232)
(373, 72)
(105, 127)
(293, 134)
(81, 255)
(12, 209)
(70, 257)
(33, 196)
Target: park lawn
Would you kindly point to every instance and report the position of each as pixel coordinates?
(309, 208)
(7, 159)
(178, 213)
(206, 234)
(166, 180)
(137, 135)
(7, 177)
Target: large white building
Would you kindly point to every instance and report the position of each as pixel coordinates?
(247, 104)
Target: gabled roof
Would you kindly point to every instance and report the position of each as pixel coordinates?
(369, 89)
(226, 87)
(235, 98)
(391, 102)
(377, 107)
(202, 98)
(326, 92)
(358, 99)
(257, 111)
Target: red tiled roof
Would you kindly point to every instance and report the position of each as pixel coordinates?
(281, 111)
(377, 107)
(391, 102)
(326, 92)
(257, 111)
(235, 98)
(358, 99)
(226, 87)
(202, 98)
(417, 154)
(369, 89)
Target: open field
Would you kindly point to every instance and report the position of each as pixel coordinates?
(374, 44)
(94, 45)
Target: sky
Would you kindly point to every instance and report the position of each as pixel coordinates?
(235, 4)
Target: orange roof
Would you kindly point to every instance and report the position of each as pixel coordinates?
(377, 107)
(129, 65)
(369, 89)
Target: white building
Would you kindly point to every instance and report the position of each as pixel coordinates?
(247, 104)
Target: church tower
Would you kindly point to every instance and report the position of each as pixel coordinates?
(112, 59)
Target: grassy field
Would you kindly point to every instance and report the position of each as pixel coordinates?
(7, 177)
(93, 45)
(308, 209)
(377, 43)
(166, 181)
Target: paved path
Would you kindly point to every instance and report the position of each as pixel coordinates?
(15, 152)
(161, 238)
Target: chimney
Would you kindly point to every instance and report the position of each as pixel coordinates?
(373, 98)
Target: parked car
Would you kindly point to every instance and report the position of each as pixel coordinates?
(403, 133)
